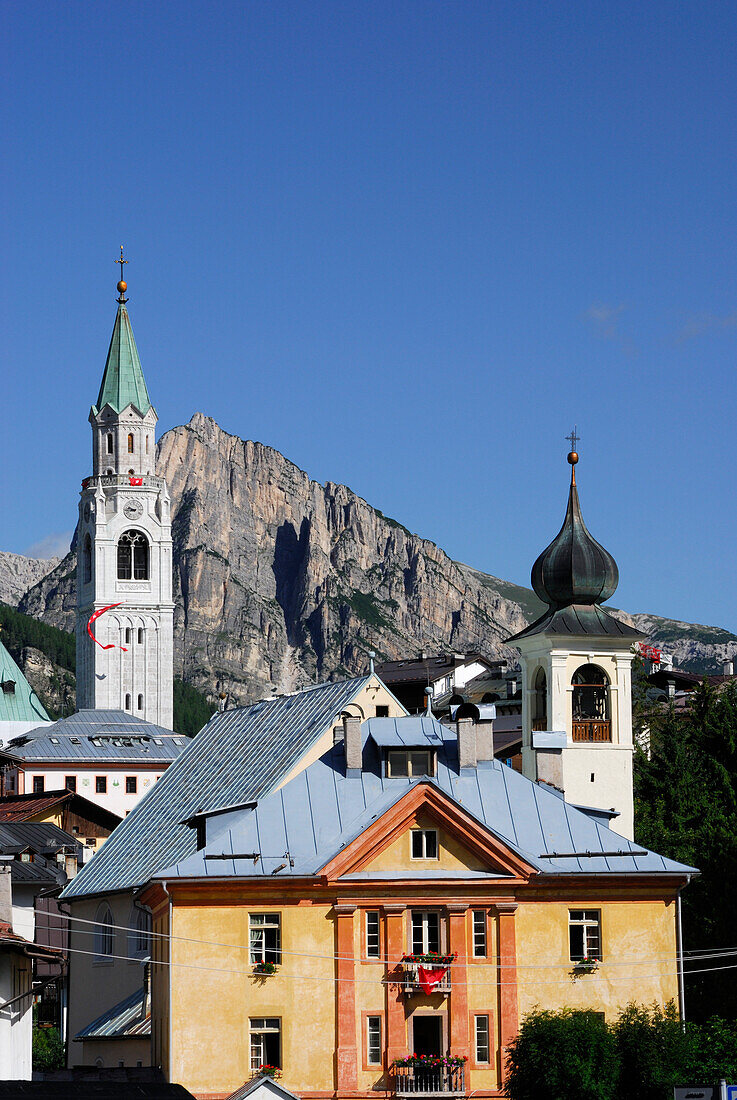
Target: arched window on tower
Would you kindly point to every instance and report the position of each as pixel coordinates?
(127, 702)
(140, 702)
(109, 443)
(540, 701)
(133, 556)
(591, 704)
(146, 444)
(130, 443)
(139, 931)
(87, 559)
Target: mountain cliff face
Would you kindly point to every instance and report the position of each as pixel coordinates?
(280, 581)
(18, 574)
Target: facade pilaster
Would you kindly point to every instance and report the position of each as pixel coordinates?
(458, 944)
(347, 1048)
(508, 1005)
(396, 1027)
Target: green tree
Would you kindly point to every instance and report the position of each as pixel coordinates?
(569, 1054)
(48, 1049)
(686, 808)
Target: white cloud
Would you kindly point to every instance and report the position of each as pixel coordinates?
(702, 323)
(603, 317)
(50, 546)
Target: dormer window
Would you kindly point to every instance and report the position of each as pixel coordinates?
(8, 687)
(411, 763)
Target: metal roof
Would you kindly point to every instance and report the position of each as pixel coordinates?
(37, 835)
(240, 755)
(123, 383)
(23, 807)
(125, 1020)
(21, 704)
(577, 619)
(417, 730)
(322, 810)
(98, 737)
(421, 669)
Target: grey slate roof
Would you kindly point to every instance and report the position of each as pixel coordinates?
(321, 810)
(577, 619)
(415, 731)
(124, 1020)
(99, 737)
(239, 755)
(16, 836)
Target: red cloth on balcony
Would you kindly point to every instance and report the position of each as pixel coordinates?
(136, 481)
(429, 977)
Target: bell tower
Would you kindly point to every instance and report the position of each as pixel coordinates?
(576, 674)
(124, 547)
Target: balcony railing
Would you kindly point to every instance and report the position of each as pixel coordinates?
(123, 480)
(539, 725)
(427, 1081)
(593, 729)
(411, 980)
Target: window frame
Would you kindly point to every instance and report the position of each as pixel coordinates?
(38, 785)
(478, 933)
(423, 833)
(70, 782)
(393, 757)
(425, 948)
(100, 784)
(264, 1029)
(103, 936)
(368, 954)
(131, 784)
(590, 919)
(367, 1046)
(484, 1063)
(258, 953)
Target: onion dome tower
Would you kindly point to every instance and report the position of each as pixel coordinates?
(124, 550)
(576, 670)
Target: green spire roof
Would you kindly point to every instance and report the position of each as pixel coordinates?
(21, 704)
(123, 382)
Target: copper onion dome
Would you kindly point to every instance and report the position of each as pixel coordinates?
(574, 568)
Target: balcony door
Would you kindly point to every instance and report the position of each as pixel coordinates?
(427, 1035)
(425, 931)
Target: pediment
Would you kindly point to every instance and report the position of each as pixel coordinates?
(466, 848)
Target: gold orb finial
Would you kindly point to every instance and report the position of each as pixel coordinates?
(122, 287)
(572, 457)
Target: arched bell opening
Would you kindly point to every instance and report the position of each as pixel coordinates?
(591, 704)
(540, 701)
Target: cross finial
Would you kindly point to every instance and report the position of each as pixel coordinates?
(122, 285)
(573, 438)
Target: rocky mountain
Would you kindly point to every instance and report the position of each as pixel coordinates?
(280, 581)
(18, 574)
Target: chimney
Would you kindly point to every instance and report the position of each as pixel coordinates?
(671, 685)
(353, 749)
(466, 728)
(728, 668)
(6, 896)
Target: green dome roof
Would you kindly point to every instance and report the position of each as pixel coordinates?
(123, 383)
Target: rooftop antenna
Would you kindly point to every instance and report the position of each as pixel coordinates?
(428, 697)
(372, 654)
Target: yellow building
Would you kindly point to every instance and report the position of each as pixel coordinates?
(397, 858)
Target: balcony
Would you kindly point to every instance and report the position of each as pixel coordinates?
(110, 481)
(593, 729)
(429, 1080)
(539, 725)
(411, 979)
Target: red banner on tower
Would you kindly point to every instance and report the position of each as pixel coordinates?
(96, 615)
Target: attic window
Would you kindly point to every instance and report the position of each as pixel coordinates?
(75, 741)
(158, 741)
(410, 763)
(54, 740)
(8, 687)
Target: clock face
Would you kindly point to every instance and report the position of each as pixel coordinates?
(132, 509)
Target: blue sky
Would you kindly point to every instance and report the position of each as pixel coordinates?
(407, 244)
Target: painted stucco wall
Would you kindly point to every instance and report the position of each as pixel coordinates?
(115, 799)
(96, 985)
(15, 1022)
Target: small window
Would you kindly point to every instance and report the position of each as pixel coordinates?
(100, 784)
(140, 635)
(131, 784)
(127, 635)
(91, 841)
(584, 933)
(265, 937)
(104, 935)
(481, 1028)
(127, 702)
(424, 843)
(479, 933)
(373, 1040)
(139, 929)
(413, 763)
(382, 711)
(130, 443)
(38, 784)
(146, 444)
(425, 931)
(109, 443)
(140, 702)
(373, 939)
(265, 1037)
(87, 559)
(70, 782)
(75, 829)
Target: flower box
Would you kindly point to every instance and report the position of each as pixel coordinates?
(262, 969)
(268, 1071)
(430, 1061)
(431, 958)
